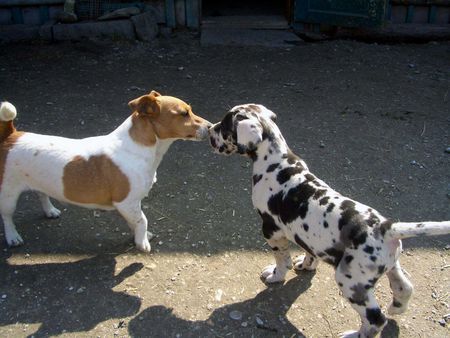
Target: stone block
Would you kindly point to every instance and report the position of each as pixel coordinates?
(118, 29)
(9, 33)
(146, 26)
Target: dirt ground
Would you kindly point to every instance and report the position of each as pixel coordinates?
(371, 120)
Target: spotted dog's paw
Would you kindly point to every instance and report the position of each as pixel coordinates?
(349, 334)
(271, 275)
(305, 262)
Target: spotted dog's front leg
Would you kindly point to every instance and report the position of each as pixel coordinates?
(283, 262)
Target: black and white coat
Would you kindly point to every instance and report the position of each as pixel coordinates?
(297, 206)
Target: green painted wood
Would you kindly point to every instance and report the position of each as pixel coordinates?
(193, 13)
(170, 13)
(343, 13)
(17, 16)
(432, 13)
(44, 14)
(409, 14)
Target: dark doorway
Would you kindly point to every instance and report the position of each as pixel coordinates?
(215, 8)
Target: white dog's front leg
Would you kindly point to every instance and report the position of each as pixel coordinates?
(137, 223)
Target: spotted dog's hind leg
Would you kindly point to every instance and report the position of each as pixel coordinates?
(401, 288)
(358, 289)
(305, 262)
(283, 262)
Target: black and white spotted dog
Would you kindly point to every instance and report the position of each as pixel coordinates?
(296, 206)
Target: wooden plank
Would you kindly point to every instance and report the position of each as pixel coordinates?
(9, 3)
(17, 15)
(193, 13)
(44, 14)
(432, 14)
(421, 2)
(409, 14)
(170, 13)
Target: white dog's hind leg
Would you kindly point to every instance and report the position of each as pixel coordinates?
(137, 222)
(8, 201)
(283, 262)
(49, 209)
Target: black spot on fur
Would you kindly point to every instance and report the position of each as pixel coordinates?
(373, 219)
(310, 177)
(330, 207)
(354, 233)
(272, 167)
(319, 193)
(285, 174)
(292, 205)
(324, 200)
(375, 317)
(269, 226)
(359, 295)
(368, 249)
(275, 248)
(348, 212)
(396, 303)
(385, 226)
(291, 157)
(265, 158)
(335, 255)
(373, 258)
(381, 269)
(256, 179)
(325, 224)
(304, 246)
(348, 259)
(306, 227)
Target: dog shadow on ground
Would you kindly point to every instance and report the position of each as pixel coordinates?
(262, 316)
(64, 297)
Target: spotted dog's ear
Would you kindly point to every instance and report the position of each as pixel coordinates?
(269, 114)
(249, 134)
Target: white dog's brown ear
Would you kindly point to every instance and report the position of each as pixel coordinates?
(249, 134)
(146, 104)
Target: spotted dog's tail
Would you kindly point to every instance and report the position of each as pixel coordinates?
(401, 230)
(7, 114)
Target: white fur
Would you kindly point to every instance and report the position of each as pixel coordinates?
(36, 162)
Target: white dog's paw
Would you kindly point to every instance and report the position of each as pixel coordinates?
(144, 245)
(52, 213)
(303, 262)
(13, 238)
(271, 275)
(349, 334)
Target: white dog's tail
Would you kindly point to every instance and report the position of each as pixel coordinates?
(7, 114)
(401, 230)
(7, 111)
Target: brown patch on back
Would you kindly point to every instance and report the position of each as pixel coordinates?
(97, 180)
(6, 144)
(141, 130)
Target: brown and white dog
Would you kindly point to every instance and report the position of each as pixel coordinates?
(114, 171)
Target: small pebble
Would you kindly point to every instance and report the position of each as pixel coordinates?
(236, 315)
(259, 321)
(4, 296)
(244, 324)
(447, 150)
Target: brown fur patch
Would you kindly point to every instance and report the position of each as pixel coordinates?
(97, 180)
(5, 145)
(141, 130)
(163, 117)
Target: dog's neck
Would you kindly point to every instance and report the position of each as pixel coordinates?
(273, 149)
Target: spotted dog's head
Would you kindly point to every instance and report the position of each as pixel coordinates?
(242, 129)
